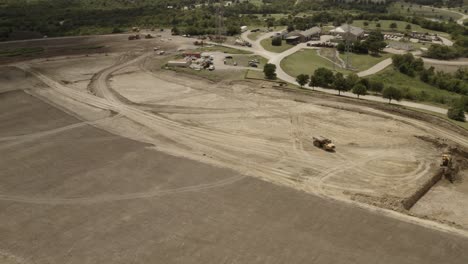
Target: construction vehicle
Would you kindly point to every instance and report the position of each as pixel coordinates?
(148, 36)
(447, 167)
(198, 43)
(324, 143)
(135, 29)
(133, 37)
(446, 160)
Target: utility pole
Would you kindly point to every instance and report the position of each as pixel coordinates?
(220, 31)
(347, 44)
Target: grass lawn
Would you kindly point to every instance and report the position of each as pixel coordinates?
(266, 44)
(224, 49)
(306, 62)
(385, 26)
(254, 36)
(361, 62)
(415, 88)
(422, 11)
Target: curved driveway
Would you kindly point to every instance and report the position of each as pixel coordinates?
(276, 58)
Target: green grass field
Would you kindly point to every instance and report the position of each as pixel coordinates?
(401, 25)
(306, 62)
(417, 89)
(266, 44)
(254, 36)
(361, 62)
(423, 11)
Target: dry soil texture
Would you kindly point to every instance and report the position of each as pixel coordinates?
(112, 160)
(83, 195)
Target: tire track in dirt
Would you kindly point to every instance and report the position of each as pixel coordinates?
(120, 197)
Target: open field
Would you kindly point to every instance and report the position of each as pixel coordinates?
(423, 11)
(113, 159)
(307, 61)
(416, 88)
(361, 62)
(401, 25)
(266, 44)
(130, 204)
(223, 112)
(255, 35)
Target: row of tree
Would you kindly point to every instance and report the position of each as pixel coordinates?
(323, 77)
(453, 82)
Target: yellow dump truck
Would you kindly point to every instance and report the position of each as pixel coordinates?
(324, 143)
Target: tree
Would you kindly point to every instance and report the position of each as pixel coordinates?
(302, 79)
(408, 27)
(392, 93)
(290, 28)
(322, 77)
(393, 25)
(456, 112)
(359, 89)
(175, 31)
(276, 41)
(351, 80)
(339, 83)
(376, 86)
(270, 71)
(366, 23)
(376, 47)
(341, 47)
(378, 25)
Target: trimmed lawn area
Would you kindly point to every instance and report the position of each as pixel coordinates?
(306, 62)
(361, 62)
(415, 89)
(385, 26)
(266, 44)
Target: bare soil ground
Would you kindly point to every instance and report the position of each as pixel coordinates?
(446, 201)
(84, 195)
(148, 163)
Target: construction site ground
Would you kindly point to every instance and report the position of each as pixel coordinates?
(109, 158)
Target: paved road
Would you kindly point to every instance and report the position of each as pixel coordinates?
(276, 58)
(459, 21)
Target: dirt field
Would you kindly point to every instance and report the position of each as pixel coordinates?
(378, 154)
(446, 201)
(87, 196)
(128, 162)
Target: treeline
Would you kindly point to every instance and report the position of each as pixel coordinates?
(453, 82)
